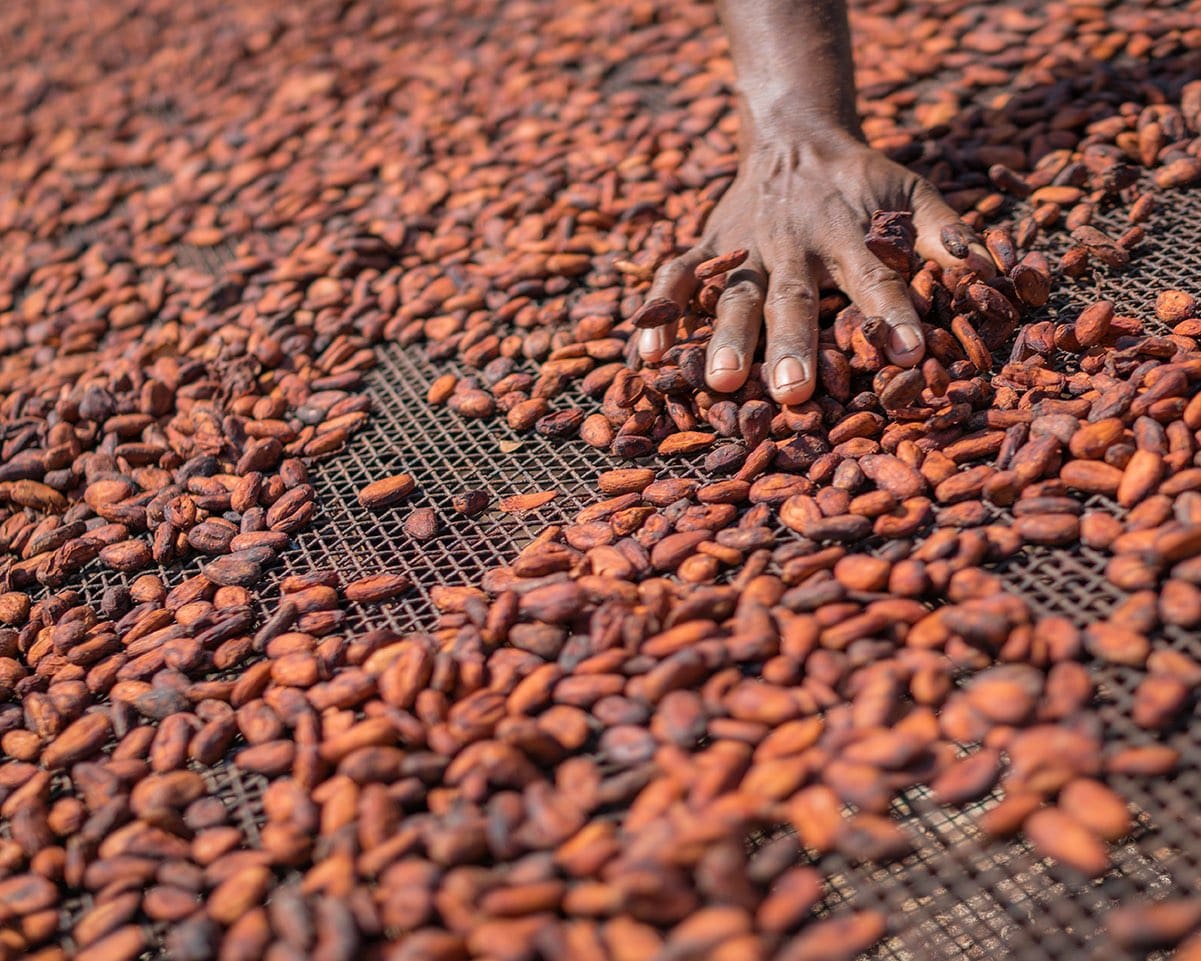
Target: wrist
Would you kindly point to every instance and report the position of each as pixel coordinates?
(769, 123)
(814, 133)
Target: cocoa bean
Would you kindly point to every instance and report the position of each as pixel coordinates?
(376, 587)
(1057, 835)
(387, 491)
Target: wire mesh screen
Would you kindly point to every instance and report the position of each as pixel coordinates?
(958, 895)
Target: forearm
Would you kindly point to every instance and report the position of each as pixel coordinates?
(793, 62)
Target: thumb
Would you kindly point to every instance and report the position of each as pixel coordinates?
(943, 237)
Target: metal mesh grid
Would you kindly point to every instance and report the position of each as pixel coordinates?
(962, 896)
(447, 455)
(958, 895)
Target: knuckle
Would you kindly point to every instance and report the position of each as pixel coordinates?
(833, 210)
(741, 296)
(671, 272)
(925, 192)
(876, 280)
(791, 293)
(922, 186)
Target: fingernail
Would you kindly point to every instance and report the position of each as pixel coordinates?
(789, 372)
(651, 341)
(904, 340)
(724, 358)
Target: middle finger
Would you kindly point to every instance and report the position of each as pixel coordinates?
(736, 330)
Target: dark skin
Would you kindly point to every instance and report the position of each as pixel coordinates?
(806, 189)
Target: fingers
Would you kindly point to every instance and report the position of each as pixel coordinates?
(943, 237)
(736, 330)
(654, 342)
(790, 313)
(676, 282)
(880, 292)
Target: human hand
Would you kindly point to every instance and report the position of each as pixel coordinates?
(802, 212)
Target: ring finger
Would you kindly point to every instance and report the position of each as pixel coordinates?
(736, 330)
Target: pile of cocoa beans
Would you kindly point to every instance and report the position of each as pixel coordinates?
(211, 214)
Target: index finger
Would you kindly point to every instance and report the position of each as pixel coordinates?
(674, 284)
